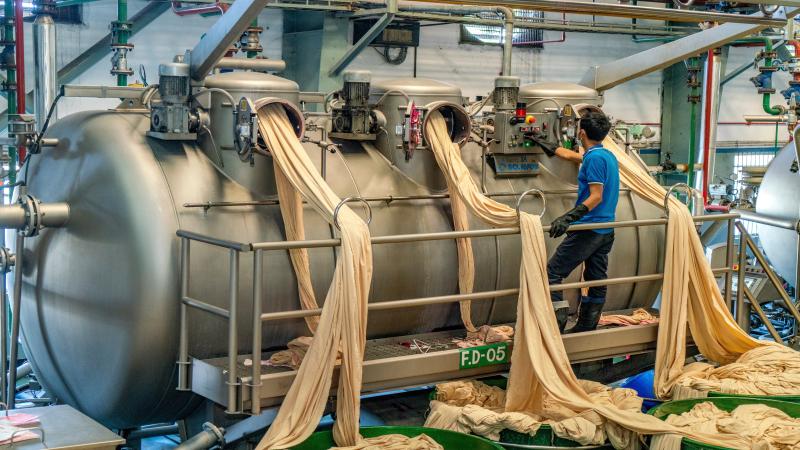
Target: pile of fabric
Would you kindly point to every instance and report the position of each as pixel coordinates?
(640, 316)
(760, 426)
(477, 408)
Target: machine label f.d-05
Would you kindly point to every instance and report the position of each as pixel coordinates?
(484, 355)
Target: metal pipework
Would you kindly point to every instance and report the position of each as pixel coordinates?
(617, 72)
(633, 12)
(44, 67)
(752, 216)
(30, 215)
(219, 38)
(209, 437)
(254, 64)
(750, 118)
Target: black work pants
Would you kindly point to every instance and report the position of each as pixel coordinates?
(578, 247)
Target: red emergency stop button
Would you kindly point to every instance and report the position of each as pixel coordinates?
(530, 119)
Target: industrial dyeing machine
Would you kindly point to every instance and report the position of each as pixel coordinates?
(156, 226)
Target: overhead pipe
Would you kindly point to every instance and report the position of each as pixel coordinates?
(508, 38)
(45, 67)
(217, 7)
(19, 41)
(254, 64)
(627, 11)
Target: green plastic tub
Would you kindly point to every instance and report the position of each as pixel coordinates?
(724, 403)
(781, 398)
(450, 440)
(544, 438)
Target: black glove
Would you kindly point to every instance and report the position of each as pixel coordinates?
(560, 225)
(548, 147)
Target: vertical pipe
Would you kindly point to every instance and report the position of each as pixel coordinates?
(741, 317)
(508, 39)
(729, 264)
(19, 39)
(709, 120)
(44, 63)
(255, 383)
(12, 368)
(183, 344)
(251, 54)
(11, 94)
(122, 16)
(233, 332)
(3, 336)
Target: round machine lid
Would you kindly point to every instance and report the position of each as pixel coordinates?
(415, 87)
(251, 82)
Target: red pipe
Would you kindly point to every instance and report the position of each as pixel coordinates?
(796, 46)
(718, 208)
(707, 124)
(19, 37)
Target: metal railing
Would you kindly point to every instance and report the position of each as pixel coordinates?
(235, 249)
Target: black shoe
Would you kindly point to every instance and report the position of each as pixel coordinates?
(561, 317)
(588, 318)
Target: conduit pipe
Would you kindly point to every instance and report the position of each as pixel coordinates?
(19, 39)
(45, 69)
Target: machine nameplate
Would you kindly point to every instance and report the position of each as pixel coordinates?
(484, 355)
(514, 165)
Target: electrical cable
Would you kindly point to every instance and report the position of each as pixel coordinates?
(37, 146)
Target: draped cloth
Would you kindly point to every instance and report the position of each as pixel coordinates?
(690, 294)
(539, 362)
(342, 323)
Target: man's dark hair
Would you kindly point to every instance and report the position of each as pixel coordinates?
(595, 124)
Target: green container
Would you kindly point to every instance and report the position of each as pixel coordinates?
(543, 438)
(450, 440)
(723, 403)
(781, 398)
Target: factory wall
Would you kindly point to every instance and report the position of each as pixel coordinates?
(440, 56)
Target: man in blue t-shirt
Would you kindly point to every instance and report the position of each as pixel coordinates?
(598, 192)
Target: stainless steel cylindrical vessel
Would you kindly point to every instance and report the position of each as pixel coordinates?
(45, 67)
(101, 295)
(779, 197)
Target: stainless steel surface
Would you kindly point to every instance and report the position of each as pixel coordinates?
(216, 42)
(254, 64)
(729, 258)
(389, 365)
(778, 212)
(118, 330)
(233, 328)
(258, 292)
(624, 10)
(66, 428)
(259, 177)
(611, 74)
(44, 67)
(508, 38)
(772, 221)
(762, 118)
(87, 91)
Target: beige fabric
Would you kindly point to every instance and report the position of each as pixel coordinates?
(767, 370)
(466, 259)
(690, 295)
(760, 426)
(474, 407)
(539, 363)
(343, 319)
(396, 442)
(639, 317)
(291, 205)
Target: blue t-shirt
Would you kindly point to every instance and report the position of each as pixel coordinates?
(599, 167)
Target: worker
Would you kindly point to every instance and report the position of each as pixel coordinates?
(598, 192)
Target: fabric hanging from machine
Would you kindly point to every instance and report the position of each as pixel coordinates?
(342, 324)
(540, 366)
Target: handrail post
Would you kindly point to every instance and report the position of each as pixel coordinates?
(183, 344)
(760, 312)
(233, 333)
(255, 382)
(741, 317)
(729, 264)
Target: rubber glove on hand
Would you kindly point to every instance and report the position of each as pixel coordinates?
(560, 225)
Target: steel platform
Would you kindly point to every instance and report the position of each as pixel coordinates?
(388, 364)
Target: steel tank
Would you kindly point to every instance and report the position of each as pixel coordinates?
(779, 197)
(101, 296)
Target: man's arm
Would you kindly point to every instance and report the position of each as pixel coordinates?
(569, 155)
(595, 196)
